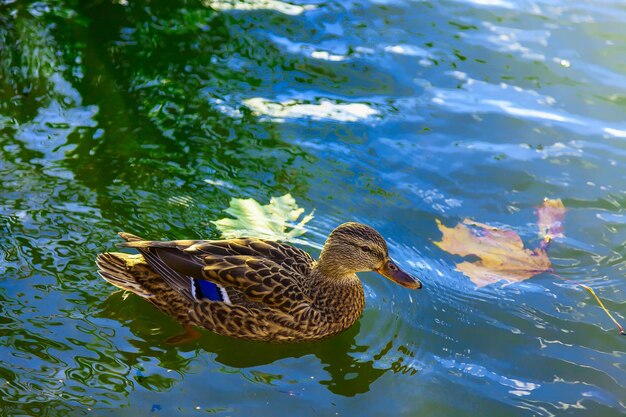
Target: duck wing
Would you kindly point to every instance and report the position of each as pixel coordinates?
(261, 271)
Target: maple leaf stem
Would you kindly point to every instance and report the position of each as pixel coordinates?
(592, 292)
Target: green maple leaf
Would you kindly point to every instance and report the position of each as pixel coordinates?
(277, 220)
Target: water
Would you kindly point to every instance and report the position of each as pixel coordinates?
(150, 117)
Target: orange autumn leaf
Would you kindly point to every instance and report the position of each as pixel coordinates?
(550, 219)
(501, 253)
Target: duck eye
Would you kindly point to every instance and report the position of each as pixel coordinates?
(366, 249)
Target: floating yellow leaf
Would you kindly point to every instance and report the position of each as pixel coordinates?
(501, 253)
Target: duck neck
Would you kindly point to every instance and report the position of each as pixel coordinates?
(337, 293)
(329, 267)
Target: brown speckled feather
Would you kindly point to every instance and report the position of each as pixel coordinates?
(276, 292)
(268, 283)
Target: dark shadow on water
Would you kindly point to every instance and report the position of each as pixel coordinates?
(157, 75)
(348, 376)
(165, 114)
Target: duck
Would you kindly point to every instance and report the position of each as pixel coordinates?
(255, 289)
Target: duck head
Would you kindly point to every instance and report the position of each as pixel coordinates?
(355, 247)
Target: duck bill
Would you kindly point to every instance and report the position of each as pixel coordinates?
(391, 271)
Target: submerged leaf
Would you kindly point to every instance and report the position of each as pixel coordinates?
(269, 221)
(501, 253)
(550, 219)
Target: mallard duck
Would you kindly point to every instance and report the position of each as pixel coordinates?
(256, 289)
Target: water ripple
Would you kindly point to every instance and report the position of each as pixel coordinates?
(389, 112)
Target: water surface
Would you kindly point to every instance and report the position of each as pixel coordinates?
(149, 117)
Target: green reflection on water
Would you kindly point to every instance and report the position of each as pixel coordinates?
(131, 116)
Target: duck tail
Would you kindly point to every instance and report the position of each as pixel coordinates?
(117, 269)
(129, 237)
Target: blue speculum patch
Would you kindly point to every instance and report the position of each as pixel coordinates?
(207, 289)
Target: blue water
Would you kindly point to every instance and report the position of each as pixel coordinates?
(150, 117)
